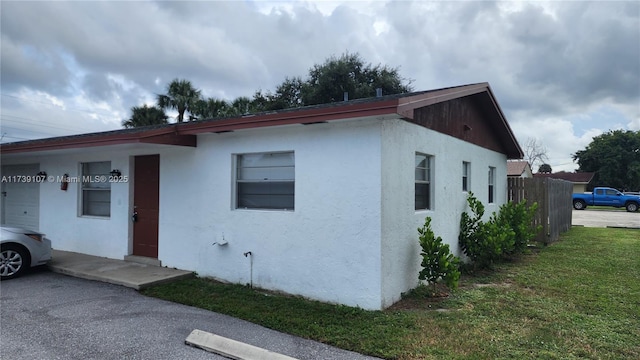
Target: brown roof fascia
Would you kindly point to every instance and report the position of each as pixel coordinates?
(167, 136)
(171, 139)
(310, 116)
(408, 104)
(183, 134)
(518, 154)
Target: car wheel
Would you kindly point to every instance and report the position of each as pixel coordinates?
(632, 207)
(13, 261)
(579, 205)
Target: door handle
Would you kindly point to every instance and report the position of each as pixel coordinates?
(134, 217)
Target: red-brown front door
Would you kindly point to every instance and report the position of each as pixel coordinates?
(146, 191)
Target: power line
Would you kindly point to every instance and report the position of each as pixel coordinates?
(24, 120)
(67, 108)
(23, 130)
(14, 137)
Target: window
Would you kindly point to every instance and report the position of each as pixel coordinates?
(466, 173)
(265, 181)
(423, 181)
(96, 189)
(492, 180)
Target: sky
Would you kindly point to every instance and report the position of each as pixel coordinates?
(562, 72)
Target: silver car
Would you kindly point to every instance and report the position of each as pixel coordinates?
(21, 249)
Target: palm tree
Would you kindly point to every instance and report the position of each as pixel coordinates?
(145, 115)
(240, 106)
(181, 96)
(208, 109)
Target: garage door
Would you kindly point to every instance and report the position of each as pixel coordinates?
(20, 200)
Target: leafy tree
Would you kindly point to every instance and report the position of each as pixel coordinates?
(328, 82)
(325, 83)
(287, 95)
(145, 115)
(261, 101)
(180, 96)
(545, 169)
(614, 157)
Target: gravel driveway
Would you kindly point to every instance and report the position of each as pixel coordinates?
(46, 315)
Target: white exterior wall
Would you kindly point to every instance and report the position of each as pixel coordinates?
(400, 247)
(328, 248)
(59, 210)
(351, 239)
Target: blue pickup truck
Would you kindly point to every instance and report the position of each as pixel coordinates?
(603, 196)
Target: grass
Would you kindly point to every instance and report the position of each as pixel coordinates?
(578, 298)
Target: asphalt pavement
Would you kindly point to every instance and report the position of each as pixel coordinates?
(45, 315)
(605, 218)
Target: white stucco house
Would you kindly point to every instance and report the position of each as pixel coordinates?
(321, 201)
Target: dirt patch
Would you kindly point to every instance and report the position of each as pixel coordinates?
(420, 299)
(500, 285)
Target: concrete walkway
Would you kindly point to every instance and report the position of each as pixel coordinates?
(120, 272)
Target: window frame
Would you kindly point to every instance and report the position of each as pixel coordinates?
(93, 183)
(428, 181)
(239, 182)
(491, 185)
(466, 176)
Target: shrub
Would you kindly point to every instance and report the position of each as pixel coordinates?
(438, 264)
(519, 218)
(483, 243)
(506, 233)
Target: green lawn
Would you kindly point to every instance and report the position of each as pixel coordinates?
(578, 298)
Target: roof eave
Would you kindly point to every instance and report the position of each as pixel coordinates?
(184, 134)
(407, 105)
(309, 116)
(164, 136)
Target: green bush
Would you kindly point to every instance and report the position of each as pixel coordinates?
(519, 218)
(506, 233)
(438, 264)
(474, 237)
(484, 243)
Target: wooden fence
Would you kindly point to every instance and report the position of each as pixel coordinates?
(554, 197)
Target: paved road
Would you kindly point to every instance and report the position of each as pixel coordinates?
(44, 315)
(605, 218)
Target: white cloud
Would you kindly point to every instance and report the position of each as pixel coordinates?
(561, 71)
